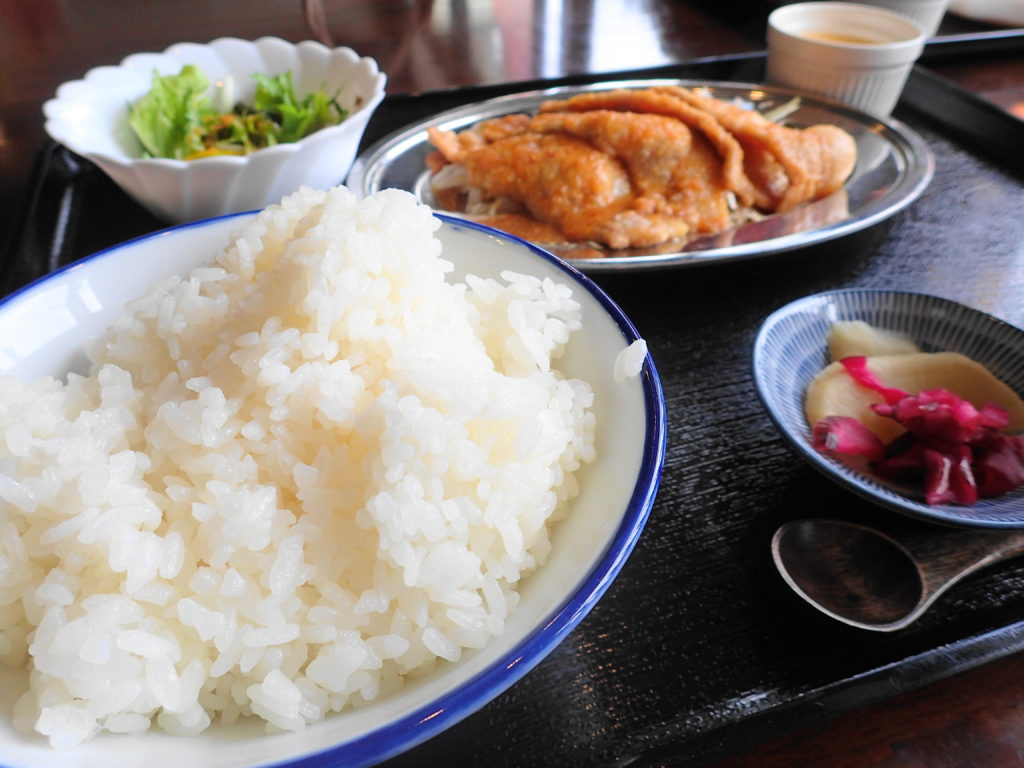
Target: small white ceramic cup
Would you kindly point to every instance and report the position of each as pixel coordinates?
(927, 14)
(858, 54)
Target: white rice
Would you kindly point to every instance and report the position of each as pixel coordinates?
(630, 361)
(291, 479)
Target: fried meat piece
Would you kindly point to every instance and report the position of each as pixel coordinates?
(787, 166)
(635, 168)
(565, 181)
(672, 171)
(456, 147)
(652, 102)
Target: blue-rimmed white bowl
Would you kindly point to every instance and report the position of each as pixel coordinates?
(42, 328)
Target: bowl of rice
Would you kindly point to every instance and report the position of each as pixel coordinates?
(91, 117)
(309, 484)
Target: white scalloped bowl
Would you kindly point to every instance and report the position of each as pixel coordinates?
(90, 117)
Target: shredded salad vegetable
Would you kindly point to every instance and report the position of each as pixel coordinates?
(176, 119)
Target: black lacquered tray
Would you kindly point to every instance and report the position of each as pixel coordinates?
(699, 648)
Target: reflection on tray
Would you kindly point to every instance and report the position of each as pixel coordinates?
(803, 218)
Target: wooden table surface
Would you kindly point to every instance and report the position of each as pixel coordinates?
(975, 718)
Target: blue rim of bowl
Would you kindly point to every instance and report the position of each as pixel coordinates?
(849, 477)
(448, 709)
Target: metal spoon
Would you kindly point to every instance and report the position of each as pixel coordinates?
(881, 581)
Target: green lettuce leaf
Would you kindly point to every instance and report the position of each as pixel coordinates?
(168, 119)
(176, 120)
(296, 119)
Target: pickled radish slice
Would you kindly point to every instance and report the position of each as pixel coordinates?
(950, 446)
(939, 414)
(1000, 466)
(844, 434)
(857, 367)
(834, 392)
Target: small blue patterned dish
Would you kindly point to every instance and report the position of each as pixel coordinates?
(790, 349)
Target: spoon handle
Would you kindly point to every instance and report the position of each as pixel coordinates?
(946, 555)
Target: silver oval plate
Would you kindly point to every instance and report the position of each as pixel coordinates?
(894, 166)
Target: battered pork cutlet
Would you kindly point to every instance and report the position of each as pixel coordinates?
(634, 168)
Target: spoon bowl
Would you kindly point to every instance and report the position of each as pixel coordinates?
(881, 580)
